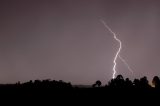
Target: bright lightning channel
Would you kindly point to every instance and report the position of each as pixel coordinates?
(117, 53)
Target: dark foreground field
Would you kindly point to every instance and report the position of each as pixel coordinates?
(117, 91)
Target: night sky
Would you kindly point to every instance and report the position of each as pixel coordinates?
(65, 40)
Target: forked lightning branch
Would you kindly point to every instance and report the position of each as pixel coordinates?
(117, 53)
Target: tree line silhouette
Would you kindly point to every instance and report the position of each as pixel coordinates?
(119, 82)
(53, 90)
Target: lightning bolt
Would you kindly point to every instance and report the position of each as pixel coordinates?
(126, 64)
(118, 51)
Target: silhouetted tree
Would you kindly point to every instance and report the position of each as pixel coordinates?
(119, 77)
(144, 82)
(118, 82)
(136, 83)
(156, 82)
(128, 83)
(97, 84)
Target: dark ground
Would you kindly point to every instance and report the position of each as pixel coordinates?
(118, 91)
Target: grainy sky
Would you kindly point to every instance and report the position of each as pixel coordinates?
(64, 39)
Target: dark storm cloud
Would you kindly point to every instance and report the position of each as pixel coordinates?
(64, 39)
